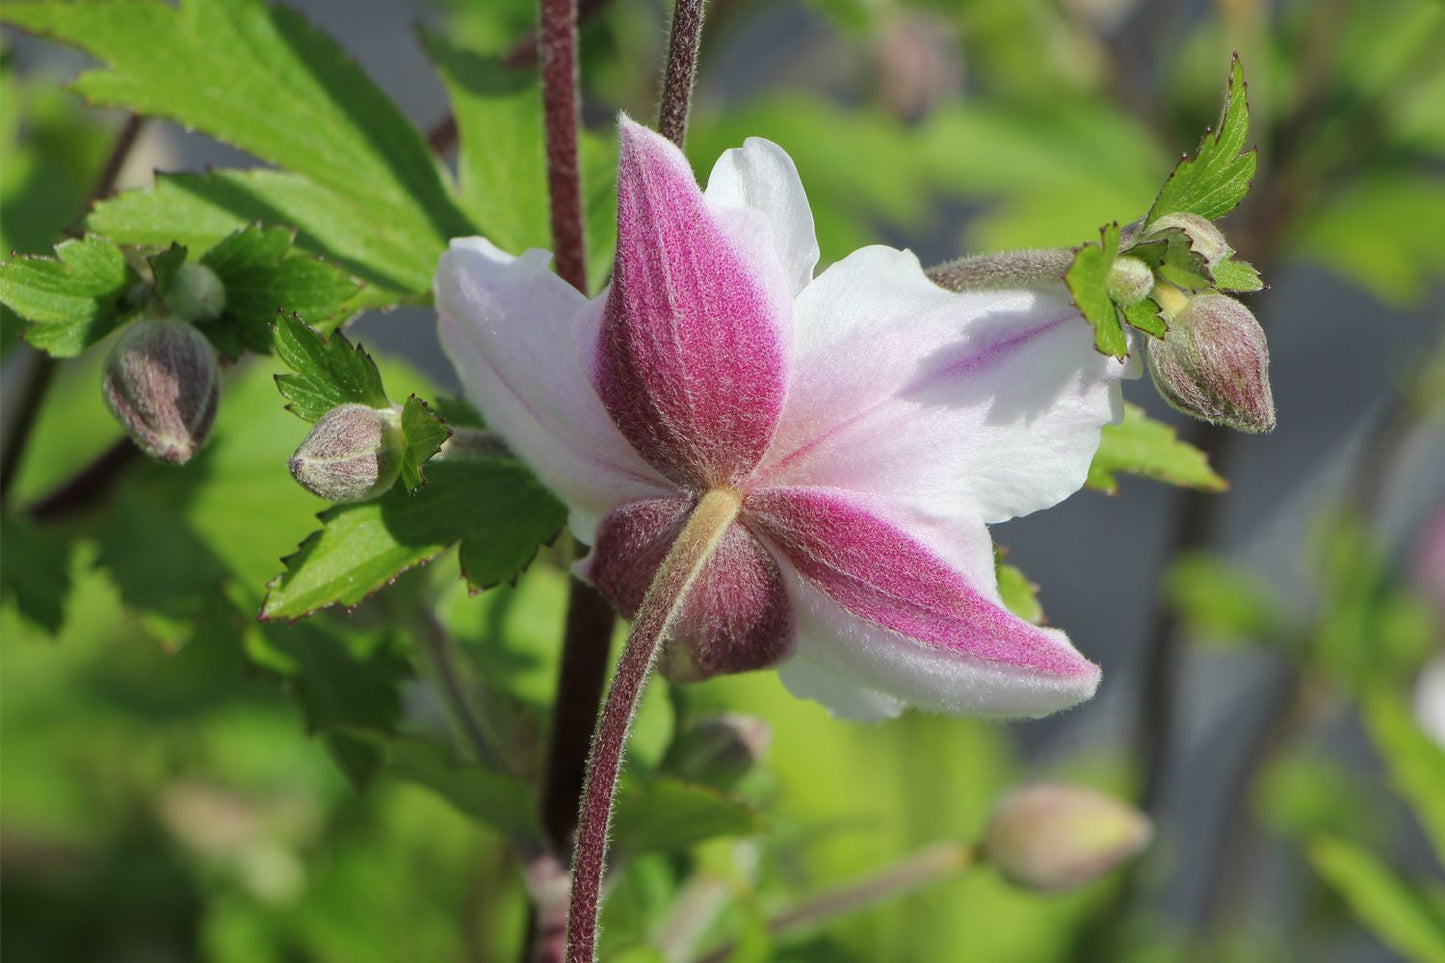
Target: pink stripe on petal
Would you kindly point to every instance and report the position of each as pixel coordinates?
(737, 616)
(692, 363)
(883, 575)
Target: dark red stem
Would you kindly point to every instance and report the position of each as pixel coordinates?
(557, 49)
(684, 39)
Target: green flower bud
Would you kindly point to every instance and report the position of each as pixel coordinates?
(162, 384)
(1054, 837)
(196, 294)
(353, 454)
(1204, 238)
(720, 750)
(1214, 364)
(1130, 280)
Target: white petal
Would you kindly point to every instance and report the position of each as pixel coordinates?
(760, 177)
(983, 403)
(521, 340)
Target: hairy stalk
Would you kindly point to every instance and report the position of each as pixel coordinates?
(699, 539)
(1006, 269)
(557, 50)
(924, 868)
(684, 39)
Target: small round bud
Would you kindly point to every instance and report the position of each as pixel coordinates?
(1130, 280)
(1204, 238)
(1214, 364)
(196, 294)
(353, 454)
(1054, 837)
(162, 384)
(720, 750)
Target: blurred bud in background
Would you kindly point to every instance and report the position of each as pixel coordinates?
(1052, 837)
(720, 750)
(195, 294)
(162, 383)
(919, 62)
(353, 454)
(1214, 364)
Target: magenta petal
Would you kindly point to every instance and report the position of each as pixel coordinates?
(882, 575)
(692, 363)
(735, 619)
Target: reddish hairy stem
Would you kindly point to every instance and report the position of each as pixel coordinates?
(684, 39)
(714, 513)
(557, 49)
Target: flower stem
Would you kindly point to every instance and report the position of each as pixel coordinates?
(924, 868)
(684, 39)
(699, 539)
(1006, 269)
(557, 49)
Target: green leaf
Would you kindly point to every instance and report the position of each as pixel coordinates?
(1219, 175)
(1416, 762)
(35, 572)
(1145, 317)
(262, 279)
(74, 299)
(1304, 794)
(1222, 601)
(1139, 445)
(261, 78)
(1407, 921)
(1088, 281)
(668, 815)
(424, 433)
(1172, 256)
(1020, 596)
(494, 506)
(329, 371)
(201, 210)
(1236, 275)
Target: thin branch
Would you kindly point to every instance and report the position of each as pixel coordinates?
(1007, 269)
(557, 49)
(92, 484)
(695, 545)
(684, 39)
(439, 651)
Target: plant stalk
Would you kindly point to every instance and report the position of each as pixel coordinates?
(699, 539)
(684, 40)
(557, 51)
(1006, 269)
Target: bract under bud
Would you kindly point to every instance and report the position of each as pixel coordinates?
(1214, 364)
(1053, 837)
(1204, 238)
(1130, 280)
(720, 750)
(353, 454)
(196, 294)
(162, 384)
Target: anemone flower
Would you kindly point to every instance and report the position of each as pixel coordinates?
(868, 423)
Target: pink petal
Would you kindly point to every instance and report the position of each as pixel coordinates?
(518, 336)
(882, 608)
(693, 359)
(735, 619)
(986, 404)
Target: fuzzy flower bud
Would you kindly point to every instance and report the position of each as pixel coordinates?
(353, 454)
(1130, 280)
(1204, 238)
(1214, 365)
(162, 384)
(196, 294)
(1054, 837)
(720, 750)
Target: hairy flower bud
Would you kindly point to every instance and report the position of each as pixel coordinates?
(353, 454)
(1214, 364)
(1204, 238)
(1130, 280)
(1052, 837)
(196, 294)
(162, 384)
(720, 750)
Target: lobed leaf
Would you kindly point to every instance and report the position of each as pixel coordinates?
(1088, 282)
(1139, 445)
(668, 815)
(1215, 180)
(328, 371)
(73, 299)
(424, 433)
(1235, 275)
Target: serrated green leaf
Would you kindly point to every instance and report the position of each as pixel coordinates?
(1222, 601)
(1235, 275)
(1216, 179)
(1405, 920)
(1020, 596)
(1145, 317)
(1139, 445)
(201, 210)
(164, 266)
(1416, 762)
(1088, 281)
(424, 433)
(667, 815)
(73, 299)
(263, 79)
(494, 504)
(329, 371)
